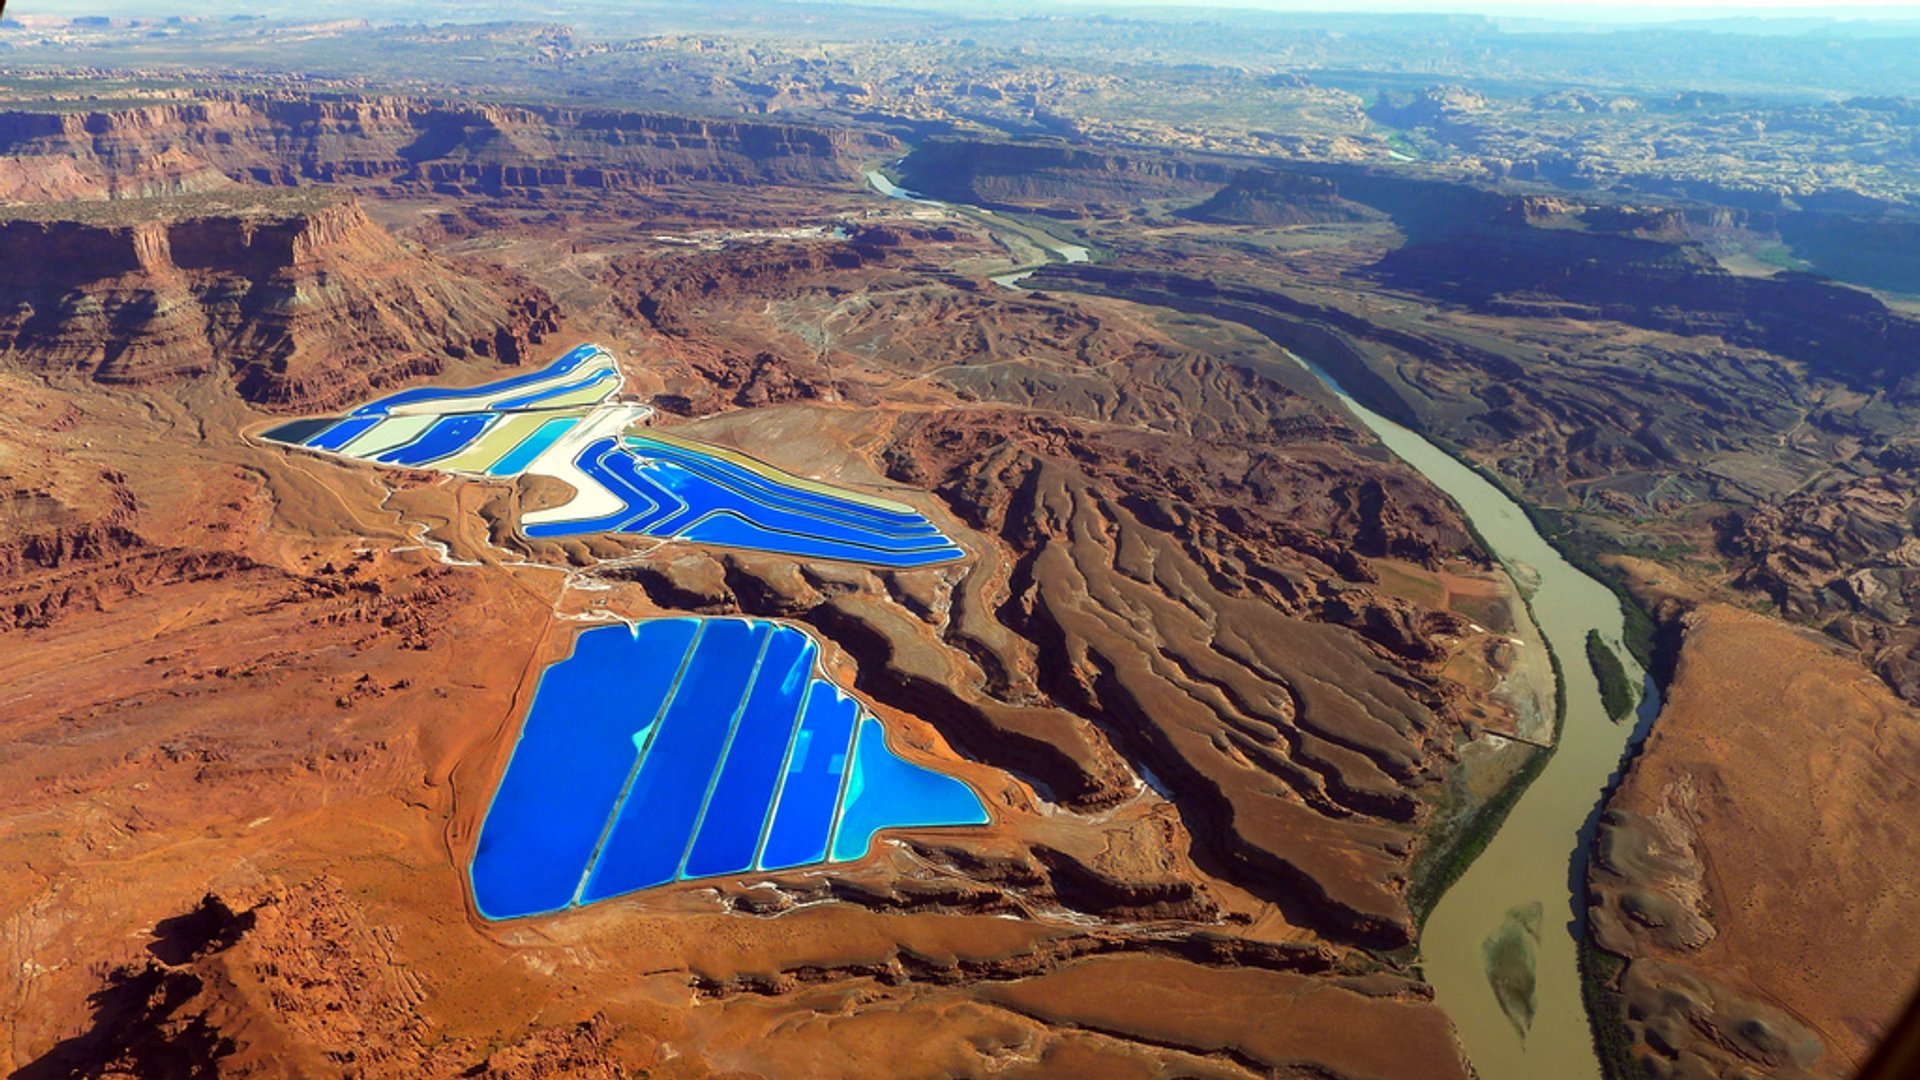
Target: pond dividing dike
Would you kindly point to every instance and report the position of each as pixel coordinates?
(563, 421)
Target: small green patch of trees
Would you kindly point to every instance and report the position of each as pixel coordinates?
(1616, 690)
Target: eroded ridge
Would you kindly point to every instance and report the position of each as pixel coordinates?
(685, 748)
(564, 422)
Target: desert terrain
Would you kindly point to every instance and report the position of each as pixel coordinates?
(1242, 690)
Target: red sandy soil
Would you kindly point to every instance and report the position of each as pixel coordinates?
(1758, 868)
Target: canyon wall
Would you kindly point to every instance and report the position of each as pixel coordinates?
(208, 143)
(302, 302)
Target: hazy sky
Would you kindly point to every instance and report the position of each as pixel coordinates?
(1572, 10)
(1534, 9)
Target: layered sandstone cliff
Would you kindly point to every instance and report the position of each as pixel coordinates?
(207, 143)
(1057, 175)
(301, 300)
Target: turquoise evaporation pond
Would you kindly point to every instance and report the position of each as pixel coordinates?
(685, 748)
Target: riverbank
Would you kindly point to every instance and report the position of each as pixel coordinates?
(1519, 861)
(1531, 1015)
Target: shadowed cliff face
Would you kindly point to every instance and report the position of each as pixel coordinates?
(1501, 254)
(1055, 176)
(1514, 269)
(309, 305)
(1273, 198)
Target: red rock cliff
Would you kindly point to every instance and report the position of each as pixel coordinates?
(304, 301)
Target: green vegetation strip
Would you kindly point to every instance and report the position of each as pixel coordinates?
(1581, 546)
(1433, 875)
(1600, 973)
(1616, 690)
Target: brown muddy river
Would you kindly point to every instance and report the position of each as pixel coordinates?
(1500, 948)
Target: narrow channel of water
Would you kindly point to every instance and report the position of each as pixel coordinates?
(1065, 252)
(1521, 896)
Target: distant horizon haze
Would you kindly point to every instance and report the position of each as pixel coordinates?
(1576, 12)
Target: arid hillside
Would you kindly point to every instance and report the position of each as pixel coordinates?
(1736, 956)
(1243, 693)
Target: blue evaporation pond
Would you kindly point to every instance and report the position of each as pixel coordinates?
(886, 791)
(538, 396)
(675, 492)
(684, 748)
(447, 435)
(418, 395)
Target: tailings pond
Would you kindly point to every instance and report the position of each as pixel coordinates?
(684, 748)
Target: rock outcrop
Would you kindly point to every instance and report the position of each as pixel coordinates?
(1056, 176)
(299, 298)
(1270, 197)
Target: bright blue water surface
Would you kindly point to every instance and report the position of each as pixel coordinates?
(803, 818)
(576, 751)
(447, 435)
(744, 792)
(686, 748)
(761, 489)
(619, 474)
(342, 433)
(665, 489)
(887, 791)
(730, 530)
(382, 406)
(672, 492)
(650, 831)
(550, 393)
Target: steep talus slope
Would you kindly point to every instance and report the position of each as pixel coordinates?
(1756, 870)
(299, 298)
(1271, 197)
